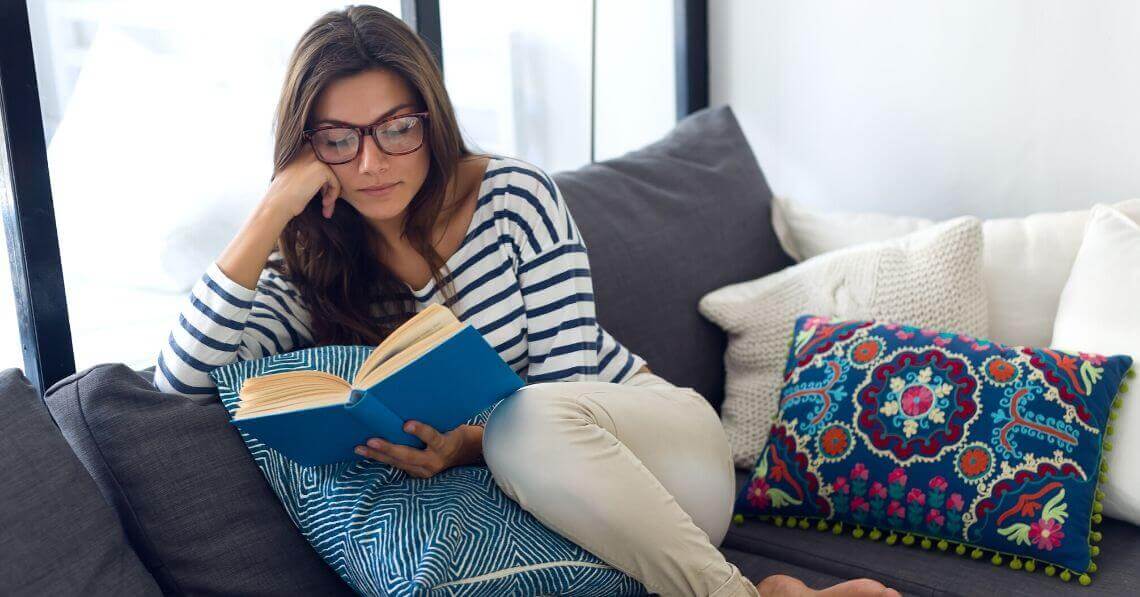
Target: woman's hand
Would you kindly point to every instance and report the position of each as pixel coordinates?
(299, 182)
(458, 447)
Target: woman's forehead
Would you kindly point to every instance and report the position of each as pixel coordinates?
(363, 98)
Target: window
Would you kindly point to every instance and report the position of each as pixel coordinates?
(11, 351)
(157, 118)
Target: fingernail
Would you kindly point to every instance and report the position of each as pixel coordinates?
(409, 428)
(360, 450)
(375, 443)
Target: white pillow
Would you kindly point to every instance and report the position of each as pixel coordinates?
(1097, 313)
(1026, 260)
(930, 278)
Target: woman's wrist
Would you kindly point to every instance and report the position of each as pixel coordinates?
(473, 446)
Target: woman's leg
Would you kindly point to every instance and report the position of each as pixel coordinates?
(640, 474)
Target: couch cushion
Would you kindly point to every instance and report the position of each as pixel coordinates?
(194, 505)
(932, 572)
(666, 224)
(57, 534)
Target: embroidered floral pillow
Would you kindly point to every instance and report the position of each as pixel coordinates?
(942, 439)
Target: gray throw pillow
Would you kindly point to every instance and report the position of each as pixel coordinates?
(57, 534)
(193, 503)
(663, 226)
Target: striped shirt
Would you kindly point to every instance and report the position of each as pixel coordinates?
(521, 276)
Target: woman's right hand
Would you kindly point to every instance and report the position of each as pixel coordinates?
(294, 186)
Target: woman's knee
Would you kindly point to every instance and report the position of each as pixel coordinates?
(514, 434)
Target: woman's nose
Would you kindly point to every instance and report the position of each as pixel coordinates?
(371, 158)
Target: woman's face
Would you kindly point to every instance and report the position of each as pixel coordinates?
(359, 100)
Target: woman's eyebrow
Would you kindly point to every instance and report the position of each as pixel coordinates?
(382, 116)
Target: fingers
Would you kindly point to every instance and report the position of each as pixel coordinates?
(427, 433)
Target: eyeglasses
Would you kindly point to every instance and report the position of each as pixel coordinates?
(395, 135)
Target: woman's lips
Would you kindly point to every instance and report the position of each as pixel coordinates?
(379, 191)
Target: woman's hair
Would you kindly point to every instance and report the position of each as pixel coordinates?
(352, 297)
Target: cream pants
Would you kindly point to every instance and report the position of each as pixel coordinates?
(639, 474)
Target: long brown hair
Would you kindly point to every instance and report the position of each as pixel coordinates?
(352, 297)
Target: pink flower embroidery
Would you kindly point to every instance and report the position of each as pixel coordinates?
(859, 471)
(878, 491)
(955, 502)
(841, 485)
(938, 484)
(901, 335)
(916, 400)
(858, 503)
(935, 517)
(1046, 534)
(758, 493)
(941, 341)
(897, 476)
(1093, 358)
(928, 332)
(896, 509)
(916, 496)
(813, 322)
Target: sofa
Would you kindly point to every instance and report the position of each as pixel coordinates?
(133, 491)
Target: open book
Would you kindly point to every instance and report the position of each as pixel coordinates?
(433, 369)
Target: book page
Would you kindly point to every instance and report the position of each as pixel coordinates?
(289, 388)
(409, 354)
(425, 323)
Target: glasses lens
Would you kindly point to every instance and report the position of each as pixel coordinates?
(401, 135)
(336, 145)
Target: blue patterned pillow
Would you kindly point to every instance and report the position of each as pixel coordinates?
(387, 533)
(940, 439)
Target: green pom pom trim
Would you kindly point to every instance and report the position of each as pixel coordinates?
(1110, 429)
(1112, 416)
(997, 558)
(1131, 373)
(1107, 446)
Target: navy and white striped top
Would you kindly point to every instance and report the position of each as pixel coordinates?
(521, 276)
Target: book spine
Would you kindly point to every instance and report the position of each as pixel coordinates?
(379, 419)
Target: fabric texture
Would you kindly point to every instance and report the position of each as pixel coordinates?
(521, 275)
(1026, 261)
(387, 533)
(932, 277)
(642, 477)
(193, 504)
(57, 534)
(940, 438)
(666, 224)
(1099, 315)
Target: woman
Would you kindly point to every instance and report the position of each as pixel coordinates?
(378, 209)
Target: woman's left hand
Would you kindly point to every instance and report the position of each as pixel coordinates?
(458, 447)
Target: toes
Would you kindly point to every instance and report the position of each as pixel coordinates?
(782, 585)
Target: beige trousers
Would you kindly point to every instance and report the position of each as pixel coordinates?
(639, 474)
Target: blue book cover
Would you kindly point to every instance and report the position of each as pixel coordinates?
(443, 387)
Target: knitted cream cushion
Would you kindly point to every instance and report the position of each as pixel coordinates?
(930, 278)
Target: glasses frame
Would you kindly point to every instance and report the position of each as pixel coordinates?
(368, 130)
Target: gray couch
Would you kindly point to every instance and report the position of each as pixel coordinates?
(154, 493)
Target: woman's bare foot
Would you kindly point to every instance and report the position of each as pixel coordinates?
(779, 585)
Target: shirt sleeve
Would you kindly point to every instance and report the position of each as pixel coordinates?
(222, 322)
(565, 342)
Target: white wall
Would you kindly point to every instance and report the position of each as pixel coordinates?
(985, 107)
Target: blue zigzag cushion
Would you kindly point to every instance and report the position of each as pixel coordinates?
(943, 440)
(387, 533)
